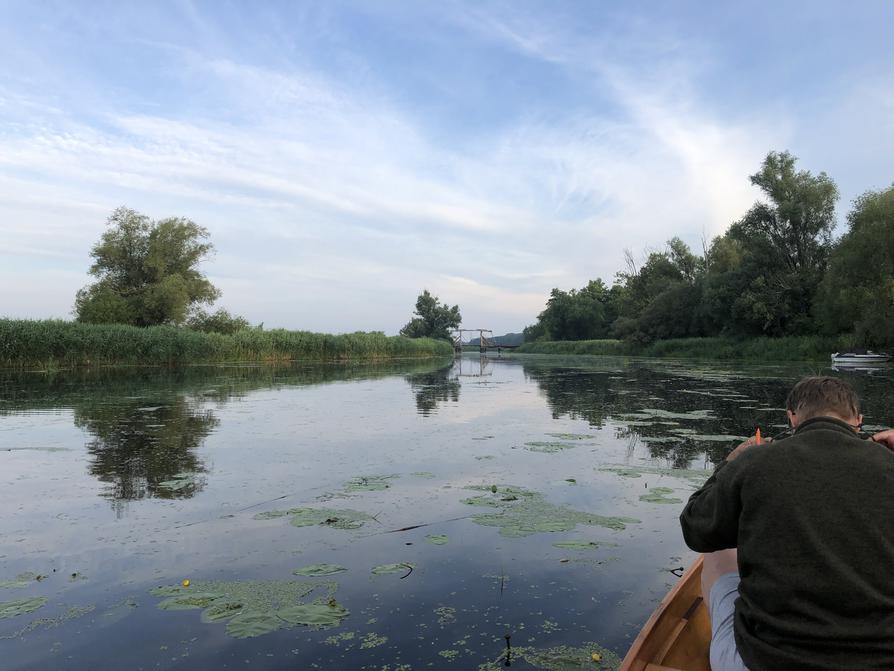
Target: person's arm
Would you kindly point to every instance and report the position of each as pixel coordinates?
(710, 520)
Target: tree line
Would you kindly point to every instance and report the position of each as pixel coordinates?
(775, 272)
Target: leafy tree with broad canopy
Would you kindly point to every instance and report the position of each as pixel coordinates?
(147, 271)
(857, 293)
(433, 319)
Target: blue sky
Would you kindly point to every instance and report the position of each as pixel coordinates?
(344, 155)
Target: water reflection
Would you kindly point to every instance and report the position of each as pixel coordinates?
(434, 387)
(147, 447)
(146, 426)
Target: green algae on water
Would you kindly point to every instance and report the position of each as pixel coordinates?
(437, 539)
(548, 447)
(328, 517)
(694, 476)
(336, 639)
(317, 570)
(372, 640)
(21, 580)
(369, 483)
(21, 606)
(423, 474)
(446, 614)
(660, 495)
(572, 436)
(522, 512)
(654, 413)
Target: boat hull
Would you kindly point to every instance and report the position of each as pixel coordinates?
(677, 637)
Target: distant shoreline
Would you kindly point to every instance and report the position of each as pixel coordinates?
(57, 343)
(787, 348)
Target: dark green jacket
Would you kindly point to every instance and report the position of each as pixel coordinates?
(813, 518)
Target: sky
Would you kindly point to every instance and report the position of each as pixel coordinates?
(346, 155)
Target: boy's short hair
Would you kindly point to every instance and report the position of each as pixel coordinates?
(818, 396)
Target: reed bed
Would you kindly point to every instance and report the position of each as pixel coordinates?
(58, 343)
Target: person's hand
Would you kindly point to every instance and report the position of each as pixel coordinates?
(753, 441)
(885, 438)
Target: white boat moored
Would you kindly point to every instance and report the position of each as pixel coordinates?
(862, 358)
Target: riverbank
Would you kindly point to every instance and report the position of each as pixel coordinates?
(57, 343)
(800, 348)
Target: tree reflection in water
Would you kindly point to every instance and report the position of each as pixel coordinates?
(141, 445)
(434, 387)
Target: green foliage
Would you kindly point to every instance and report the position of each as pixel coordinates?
(758, 279)
(857, 293)
(60, 343)
(576, 315)
(220, 321)
(147, 271)
(791, 348)
(432, 320)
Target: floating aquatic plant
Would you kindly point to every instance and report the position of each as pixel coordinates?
(21, 580)
(317, 570)
(523, 512)
(548, 446)
(561, 658)
(179, 482)
(372, 640)
(329, 517)
(437, 539)
(694, 476)
(253, 608)
(572, 436)
(660, 495)
(21, 606)
(369, 483)
(384, 569)
(423, 474)
(576, 545)
(654, 413)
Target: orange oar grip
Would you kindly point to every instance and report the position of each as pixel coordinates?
(758, 440)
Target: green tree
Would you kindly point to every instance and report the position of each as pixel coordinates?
(432, 320)
(147, 271)
(857, 293)
(763, 274)
(220, 321)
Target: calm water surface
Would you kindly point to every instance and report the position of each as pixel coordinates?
(115, 482)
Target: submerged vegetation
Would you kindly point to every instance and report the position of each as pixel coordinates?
(57, 343)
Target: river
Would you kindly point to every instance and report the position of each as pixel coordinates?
(430, 510)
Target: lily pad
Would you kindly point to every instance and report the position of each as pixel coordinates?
(654, 413)
(523, 512)
(250, 625)
(329, 517)
(179, 482)
(254, 604)
(384, 569)
(561, 658)
(320, 570)
(21, 606)
(320, 615)
(572, 436)
(660, 495)
(437, 539)
(423, 474)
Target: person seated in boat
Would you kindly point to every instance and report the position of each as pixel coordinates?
(811, 585)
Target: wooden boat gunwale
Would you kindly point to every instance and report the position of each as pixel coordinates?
(677, 636)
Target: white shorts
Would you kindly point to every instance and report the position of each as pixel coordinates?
(724, 655)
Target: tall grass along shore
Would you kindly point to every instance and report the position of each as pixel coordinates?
(28, 343)
(793, 348)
